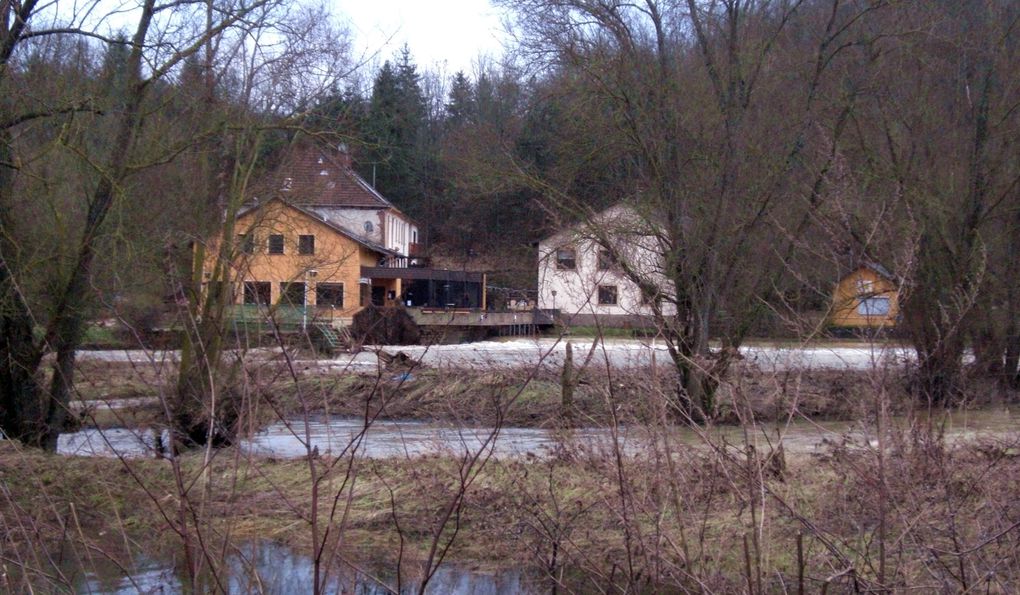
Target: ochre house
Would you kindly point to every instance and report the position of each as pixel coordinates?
(867, 298)
(290, 256)
(318, 239)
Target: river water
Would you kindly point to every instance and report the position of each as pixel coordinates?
(389, 439)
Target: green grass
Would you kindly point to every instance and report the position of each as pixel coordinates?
(101, 335)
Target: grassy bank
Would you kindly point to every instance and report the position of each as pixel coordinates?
(513, 397)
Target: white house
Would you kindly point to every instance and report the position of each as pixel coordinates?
(579, 276)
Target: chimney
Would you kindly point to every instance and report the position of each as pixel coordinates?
(344, 154)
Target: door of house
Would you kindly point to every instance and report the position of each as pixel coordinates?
(292, 294)
(378, 295)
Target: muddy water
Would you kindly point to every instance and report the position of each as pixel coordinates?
(260, 567)
(388, 439)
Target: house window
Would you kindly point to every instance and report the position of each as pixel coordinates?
(606, 261)
(306, 244)
(329, 294)
(276, 244)
(292, 293)
(607, 295)
(874, 306)
(566, 259)
(865, 286)
(257, 292)
(247, 243)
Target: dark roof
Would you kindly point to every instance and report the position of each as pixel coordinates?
(313, 215)
(313, 176)
(878, 268)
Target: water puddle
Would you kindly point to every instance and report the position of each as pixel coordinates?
(259, 567)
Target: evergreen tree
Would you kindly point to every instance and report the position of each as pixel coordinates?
(460, 109)
(395, 136)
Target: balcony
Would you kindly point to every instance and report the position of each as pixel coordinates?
(404, 262)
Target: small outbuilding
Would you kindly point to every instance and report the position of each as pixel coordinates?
(867, 298)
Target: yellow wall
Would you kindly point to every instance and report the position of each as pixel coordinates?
(337, 258)
(852, 289)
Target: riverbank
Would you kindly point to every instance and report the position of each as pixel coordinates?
(714, 516)
(125, 391)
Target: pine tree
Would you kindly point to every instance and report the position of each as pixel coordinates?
(395, 135)
(460, 109)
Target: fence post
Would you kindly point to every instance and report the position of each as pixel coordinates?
(567, 382)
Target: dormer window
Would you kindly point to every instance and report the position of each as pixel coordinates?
(288, 184)
(320, 160)
(323, 173)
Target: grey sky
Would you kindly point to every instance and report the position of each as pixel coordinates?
(450, 34)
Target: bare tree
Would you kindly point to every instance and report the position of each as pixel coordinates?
(35, 415)
(708, 110)
(296, 57)
(939, 138)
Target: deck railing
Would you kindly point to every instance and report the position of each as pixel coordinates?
(286, 317)
(404, 262)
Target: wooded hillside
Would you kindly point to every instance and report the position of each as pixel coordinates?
(776, 144)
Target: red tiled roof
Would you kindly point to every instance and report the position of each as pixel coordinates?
(311, 176)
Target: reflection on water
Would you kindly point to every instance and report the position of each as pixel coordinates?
(272, 568)
(387, 439)
(337, 435)
(109, 442)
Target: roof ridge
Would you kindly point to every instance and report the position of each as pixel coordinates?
(310, 174)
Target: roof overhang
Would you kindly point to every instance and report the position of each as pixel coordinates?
(417, 273)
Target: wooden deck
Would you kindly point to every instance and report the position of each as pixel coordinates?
(455, 325)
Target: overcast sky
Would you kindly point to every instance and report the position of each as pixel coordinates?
(454, 32)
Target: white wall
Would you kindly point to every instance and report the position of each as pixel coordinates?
(353, 220)
(398, 233)
(389, 230)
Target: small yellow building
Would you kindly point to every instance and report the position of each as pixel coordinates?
(867, 298)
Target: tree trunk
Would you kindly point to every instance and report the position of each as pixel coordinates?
(20, 398)
(41, 423)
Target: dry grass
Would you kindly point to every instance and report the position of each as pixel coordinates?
(948, 516)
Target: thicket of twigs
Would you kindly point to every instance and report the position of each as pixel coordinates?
(898, 500)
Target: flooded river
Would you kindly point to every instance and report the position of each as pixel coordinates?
(517, 353)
